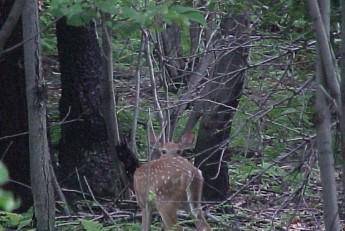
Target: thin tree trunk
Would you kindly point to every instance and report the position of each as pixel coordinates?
(328, 60)
(342, 90)
(109, 96)
(133, 143)
(323, 125)
(109, 103)
(41, 181)
(326, 159)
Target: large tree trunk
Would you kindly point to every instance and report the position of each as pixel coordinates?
(212, 143)
(83, 145)
(218, 108)
(41, 180)
(14, 151)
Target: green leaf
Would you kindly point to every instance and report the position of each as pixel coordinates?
(74, 15)
(108, 6)
(10, 219)
(289, 111)
(133, 15)
(126, 28)
(24, 223)
(7, 203)
(190, 13)
(196, 17)
(58, 7)
(151, 196)
(75, 20)
(3, 174)
(91, 225)
(182, 9)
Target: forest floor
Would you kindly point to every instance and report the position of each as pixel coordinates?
(260, 199)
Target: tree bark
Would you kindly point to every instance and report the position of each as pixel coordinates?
(323, 120)
(342, 90)
(326, 159)
(218, 106)
(84, 143)
(41, 180)
(171, 48)
(14, 150)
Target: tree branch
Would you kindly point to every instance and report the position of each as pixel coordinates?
(11, 22)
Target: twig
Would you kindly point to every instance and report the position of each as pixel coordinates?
(6, 150)
(153, 82)
(278, 159)
(65, 206)
(20, 183)
(82, 191)
(2, 52)
(95, 200)
(25, 133)
(219, 164)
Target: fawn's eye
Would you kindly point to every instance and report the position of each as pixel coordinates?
(164, 151)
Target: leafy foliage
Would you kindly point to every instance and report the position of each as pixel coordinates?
(285, 17)
(89, 225)
(7, 201)
(80, 12)
(18, 221)
(46, 24)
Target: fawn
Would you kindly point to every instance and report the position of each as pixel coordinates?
(166, 184)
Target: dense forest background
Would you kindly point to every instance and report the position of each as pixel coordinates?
(260, 85)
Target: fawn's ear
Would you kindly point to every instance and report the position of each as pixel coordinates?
(153, 141)
(187, 141)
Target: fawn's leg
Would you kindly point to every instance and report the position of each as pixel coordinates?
(169, 217)
(194, 195)
(146, 218)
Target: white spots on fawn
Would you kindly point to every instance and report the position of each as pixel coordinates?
(176, 183)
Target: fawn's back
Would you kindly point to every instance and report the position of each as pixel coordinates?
(167, 178)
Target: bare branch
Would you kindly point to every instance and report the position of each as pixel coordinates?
(11, 22)
(153, 82)
(137, 98)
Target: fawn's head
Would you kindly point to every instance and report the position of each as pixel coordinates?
(161, 148)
